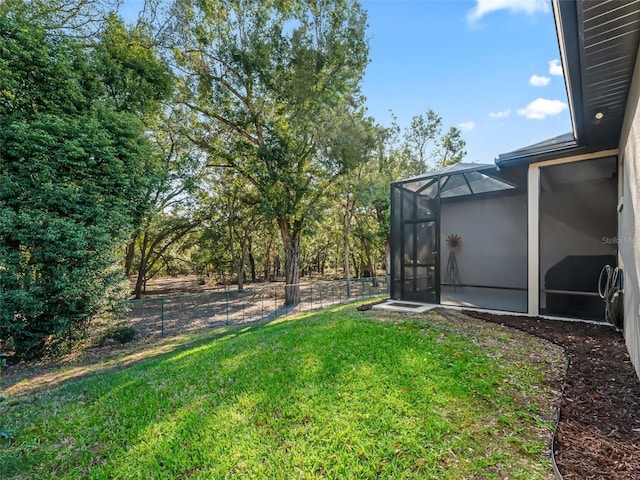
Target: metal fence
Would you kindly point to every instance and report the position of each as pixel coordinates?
(173, 314)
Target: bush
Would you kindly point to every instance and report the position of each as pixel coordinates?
(76, 167)
(121, 333)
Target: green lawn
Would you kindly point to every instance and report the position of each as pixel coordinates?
(336, 394)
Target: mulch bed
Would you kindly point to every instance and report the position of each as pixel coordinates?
(598, 436)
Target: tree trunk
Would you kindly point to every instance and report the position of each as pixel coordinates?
(245, 246)
(356, 265)
(240, 274)
(252, 263)
(346, 230)
(371, 269)
(142, 267)
(139, 285)
(266, 262)
(347, 269)
(276, 266)
(387, 257)
(130, 252)
(291, 241)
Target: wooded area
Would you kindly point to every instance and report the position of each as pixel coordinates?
(225, 138)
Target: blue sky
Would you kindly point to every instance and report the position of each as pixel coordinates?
(483, 65)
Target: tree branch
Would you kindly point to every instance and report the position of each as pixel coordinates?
(243, 133)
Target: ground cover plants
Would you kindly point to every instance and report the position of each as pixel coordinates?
(334, 394)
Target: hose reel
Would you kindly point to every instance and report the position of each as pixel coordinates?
(610, 288)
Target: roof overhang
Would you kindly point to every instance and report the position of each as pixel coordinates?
(598, 42)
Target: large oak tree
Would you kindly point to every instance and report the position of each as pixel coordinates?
(266, 80)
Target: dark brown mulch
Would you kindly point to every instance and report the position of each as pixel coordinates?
(598, 436)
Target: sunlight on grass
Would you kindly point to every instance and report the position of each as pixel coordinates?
(335, 394)
(70, 371)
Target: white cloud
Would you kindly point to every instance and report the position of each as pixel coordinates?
(542, 108)
(487, 6)
(501, 114)
(467, 126)
(539, 80)
(555, 67)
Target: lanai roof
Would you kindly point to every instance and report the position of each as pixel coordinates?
(458, 180)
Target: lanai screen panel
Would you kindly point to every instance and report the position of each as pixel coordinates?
(396, 239)
(578, 228)
(414, 236)
(489, 267)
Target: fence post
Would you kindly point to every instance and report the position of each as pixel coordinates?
(262, 302)
(162, 317)
(227, 297)
(311, 289)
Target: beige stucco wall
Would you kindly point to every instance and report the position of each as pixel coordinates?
(629, 219)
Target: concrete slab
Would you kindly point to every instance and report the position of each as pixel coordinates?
(405, 306)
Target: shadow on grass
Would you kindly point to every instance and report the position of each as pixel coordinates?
(35, 379)
(41, 378)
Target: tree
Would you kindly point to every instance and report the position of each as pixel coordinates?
(372, 191)
(74, 167)
(422, 131)
(353, 142)
(209, 246)
(172, 203)
(77, 18)
(426, 130)
(239, 210)
(266, 80)
(451, 147)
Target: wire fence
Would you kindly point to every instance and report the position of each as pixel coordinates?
(174, 314)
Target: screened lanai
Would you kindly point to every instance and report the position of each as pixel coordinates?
(459, 237)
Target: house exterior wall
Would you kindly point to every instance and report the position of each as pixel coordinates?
(629, 219)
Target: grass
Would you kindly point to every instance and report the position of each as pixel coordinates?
(335, 394)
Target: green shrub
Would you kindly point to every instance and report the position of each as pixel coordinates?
(121, 333)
